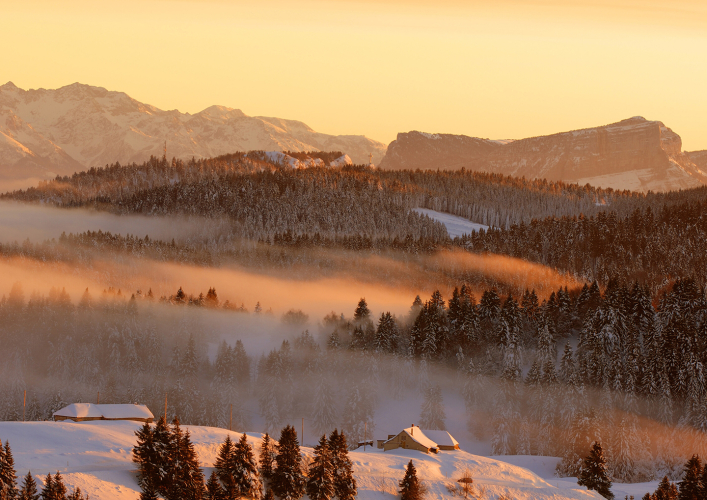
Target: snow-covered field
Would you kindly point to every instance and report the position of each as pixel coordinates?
(96, 456)
(456, 226)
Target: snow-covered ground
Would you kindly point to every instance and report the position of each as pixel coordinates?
(456, 226)
(96, 456)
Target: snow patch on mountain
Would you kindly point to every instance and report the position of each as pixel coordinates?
(456, 226)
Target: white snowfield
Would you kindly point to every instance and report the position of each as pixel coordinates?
(97, 457)
(456, 226)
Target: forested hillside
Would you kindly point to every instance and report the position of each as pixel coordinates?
(587, 327)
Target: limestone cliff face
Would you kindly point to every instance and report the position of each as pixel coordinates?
(699, 158)
(634, 154)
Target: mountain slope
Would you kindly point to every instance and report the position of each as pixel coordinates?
(49, 132)
(634, 154)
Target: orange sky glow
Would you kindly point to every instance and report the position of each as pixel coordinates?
(497, 69)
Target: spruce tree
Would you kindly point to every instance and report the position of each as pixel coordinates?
(244, 470)
(224, 459)
(665, 491)
(432, 416)
(344, 482)
(145, 456)
(267, 457)
(29, 489)
(48, 488)
(690, 486)
(149, 493)
(320, 481)
(8, 475)
(77, 495)
(594, 474)
(58, 487)
(214, 490)
(703, 483)
(324, 413)
(162, 439)
(186, 478)
(362, 313)
(410, 487)
(288, 481)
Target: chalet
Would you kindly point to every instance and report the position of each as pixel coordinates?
(83, 412)
(414, 438)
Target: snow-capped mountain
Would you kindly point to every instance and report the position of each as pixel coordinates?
(48, 132)
(635, 154)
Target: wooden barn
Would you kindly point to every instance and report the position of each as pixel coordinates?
(414, 438)
(84, 412)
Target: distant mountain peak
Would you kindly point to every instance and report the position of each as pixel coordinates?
(635, 154)
(217, 111)
(79, 126)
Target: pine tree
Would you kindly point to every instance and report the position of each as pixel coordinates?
(288, 481)
(344, 482)
(214, 490)
(77, 495)
(594, 474)
(223, 461)
(48, 489)
(703, 483)
(410, 487)
(145, 456)
(244, 470)
(162, 439)
(362, 313)
(267, 457)
(8, 475)
(320, 480)
(58, 487)
(324, 412)
(150, 493)
(29, 489)
(358, 414)
(665, 491)
(186, 479)
(432, 416)
(690, 486)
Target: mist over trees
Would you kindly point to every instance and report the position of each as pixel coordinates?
(617, 357)
(635, 368)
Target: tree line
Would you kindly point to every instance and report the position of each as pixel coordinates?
(168, 467)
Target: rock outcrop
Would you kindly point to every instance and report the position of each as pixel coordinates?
(699, 158)
(48, 132)
(635, 154)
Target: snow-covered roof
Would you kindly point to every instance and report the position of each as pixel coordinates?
(417, 435)
(90, 410)
(429, 439)
(442, 438)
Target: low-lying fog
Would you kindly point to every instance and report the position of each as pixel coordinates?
(19, 221)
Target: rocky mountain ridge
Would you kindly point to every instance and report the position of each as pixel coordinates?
(44, 133)
(635, 154)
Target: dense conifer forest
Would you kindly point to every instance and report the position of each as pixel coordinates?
(608, 345)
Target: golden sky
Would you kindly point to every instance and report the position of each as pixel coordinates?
(487, 68)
